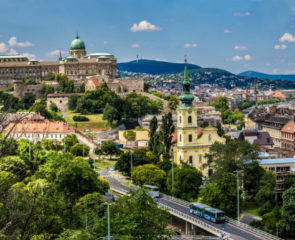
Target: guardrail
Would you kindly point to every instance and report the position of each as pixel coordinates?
(196, 221)
(195, 237)
(252, 229)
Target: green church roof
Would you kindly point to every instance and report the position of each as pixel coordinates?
(77, 43)
(186, 97)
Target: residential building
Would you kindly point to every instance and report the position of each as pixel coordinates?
(36, 131)
(288, 136)
(141, 139)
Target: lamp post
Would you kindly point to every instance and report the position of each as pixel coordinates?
(172, 169)
(131, 160)
(238, 193)
(109, 223)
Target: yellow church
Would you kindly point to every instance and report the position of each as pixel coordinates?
(191, 141)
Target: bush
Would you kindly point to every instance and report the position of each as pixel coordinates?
(80, 118)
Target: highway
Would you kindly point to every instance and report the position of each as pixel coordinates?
(231, 229)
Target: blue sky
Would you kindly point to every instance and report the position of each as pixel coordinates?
(235, 35)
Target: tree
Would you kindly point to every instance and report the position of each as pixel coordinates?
(289, 181)
(154, 141)
(136, 215)
(222, 194)
(148, 174)
(221, 104)
(80, 150)
(69, 141)
(110, 114)
(220, 130)
(72, 103)
(173, 102)
(166, 133)
(47, 89)
(265, 197)
(53, 107)
(146, 87)
(204, 124)
(129, 135)
(14, 165)
(287, 224)
(27, 101)
(187, 181)
(48, 144)
(110, 148)
(232, 156)
(8, 146)
(50, 76)
(65, 85)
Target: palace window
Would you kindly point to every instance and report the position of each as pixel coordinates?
(200, 158)
(179, 119)
(180, 137)
(189, 119)
(190, 137)
(190, 159)
(210, 138)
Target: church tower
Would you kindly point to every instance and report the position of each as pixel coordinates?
(193, 142)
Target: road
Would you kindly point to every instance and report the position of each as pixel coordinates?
(234, 231)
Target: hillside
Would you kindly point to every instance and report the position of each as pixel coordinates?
(154, 67)
(267, 76)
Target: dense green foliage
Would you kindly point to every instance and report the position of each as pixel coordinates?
(80, 150)
(129, 135)
(40, 107)
(268, 101)
(13, 104)
(79, 118)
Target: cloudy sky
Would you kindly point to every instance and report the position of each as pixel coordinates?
(236, 35)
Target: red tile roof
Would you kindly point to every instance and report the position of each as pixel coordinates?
(43, 126)
(289, 127)
(95, 82)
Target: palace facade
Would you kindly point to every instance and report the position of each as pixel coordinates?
(78, 65)
(191, 141)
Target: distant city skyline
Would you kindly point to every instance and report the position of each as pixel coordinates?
(235, 35)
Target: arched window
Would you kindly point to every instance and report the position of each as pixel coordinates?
(190, 137)
(179, 119)
(190, 159)
(210, 138)
(189, 119)
(200, 158)
(180, 137)
(179, 158)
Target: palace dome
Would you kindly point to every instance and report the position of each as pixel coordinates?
(77, 43)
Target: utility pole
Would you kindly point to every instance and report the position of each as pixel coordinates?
(238, 194)
(131, 160)
(172, 170)
(30, 150)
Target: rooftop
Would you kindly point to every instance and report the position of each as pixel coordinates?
(277, 161)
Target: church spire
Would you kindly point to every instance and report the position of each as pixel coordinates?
(186, 97)
(60, 57)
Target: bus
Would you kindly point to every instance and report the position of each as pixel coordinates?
(153, 191)
(198, 208)
(214, 215)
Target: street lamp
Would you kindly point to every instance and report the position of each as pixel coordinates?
(131, 160)
(109, 223)
(238, 193)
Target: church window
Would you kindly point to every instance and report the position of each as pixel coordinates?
(180, 137)
(210, 138)
(189, 119)
(190, 159)
(190, 137)
(179, 119)
(179, 158)
(200, 158)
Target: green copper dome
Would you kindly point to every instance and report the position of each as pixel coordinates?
(77, 43)
(186, 97)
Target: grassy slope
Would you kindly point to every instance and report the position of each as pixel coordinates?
(95, 121)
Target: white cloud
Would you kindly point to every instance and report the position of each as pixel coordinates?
(227, 31)
(267, 64)
(105, 42)
(237, 58)
(29, 55)
(287, 37)
(239, 14)
(247, 57)
(242, 48)
(12, 52)
(3, 47)
(190, 45)
(135, 45)
(13, 42)
(144, 26)
(55, 53)
(280, 47)
(275, 70)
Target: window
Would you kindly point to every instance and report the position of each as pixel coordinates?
(179, 158)
(179, 119)
(190, 137)
(190, 159)
(200, 158)
(210, 172)
(210, 138)
(189, 119)
(180, 137)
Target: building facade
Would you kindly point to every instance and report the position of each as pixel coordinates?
(192, 142)
(78, 65)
